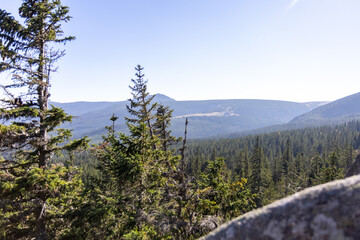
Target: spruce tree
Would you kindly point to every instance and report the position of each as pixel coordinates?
(162, 125)
(34, 196)
(126, 202)
(141, 107)
(255, 177)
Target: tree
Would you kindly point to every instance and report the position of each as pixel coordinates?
(255, 177)
(145, 191)
(126, 202)
(141, 107)
(161, 126)
(331, 170)
(33, 194)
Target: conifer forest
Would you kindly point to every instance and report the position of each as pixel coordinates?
(143, 183)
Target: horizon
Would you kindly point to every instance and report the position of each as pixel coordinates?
(192, 100)
(283, 50)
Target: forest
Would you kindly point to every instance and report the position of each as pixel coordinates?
(142, 184)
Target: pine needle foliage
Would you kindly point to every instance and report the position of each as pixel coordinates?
(144, 191)
(34, 195)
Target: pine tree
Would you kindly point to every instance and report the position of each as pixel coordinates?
(255, 177)
(287, 167)
(34, 195)
(246, 171)
(331, 170)
(162, 125)
(127, 201)
(141, 106)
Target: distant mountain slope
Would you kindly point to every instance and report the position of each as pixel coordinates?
(337, 112)
(206, 118)
(346, 108)
(162, 98)
(78, 108)
(218, 117)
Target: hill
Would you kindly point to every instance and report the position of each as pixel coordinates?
(347, 108)
(206, 118)
(340, 111)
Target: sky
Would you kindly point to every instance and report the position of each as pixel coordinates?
(293, 50)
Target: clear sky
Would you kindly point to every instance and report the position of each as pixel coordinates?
(295, 50)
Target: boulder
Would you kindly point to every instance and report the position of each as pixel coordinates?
(327, 211)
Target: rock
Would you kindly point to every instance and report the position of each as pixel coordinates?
(329, 211)
(354, 168)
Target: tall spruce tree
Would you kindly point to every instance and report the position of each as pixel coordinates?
(126, 202)
(34, 196)
(141, 107)
(255, 177)
(162, 125)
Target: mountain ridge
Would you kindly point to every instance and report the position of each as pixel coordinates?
(348, 106)
(214, 118)
(207, 117)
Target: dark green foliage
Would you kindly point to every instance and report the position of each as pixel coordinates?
(255, 178)
(229, 198)
(330, 170)
(142, 190)
(162, 125)
(133, 169)
(141, 107)
(207, 190)
(34, 194)
(291, 160)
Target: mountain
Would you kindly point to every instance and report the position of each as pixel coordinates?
(340, 111)
(79, 108)
(206, 118)
(344, 109)
(162, 98)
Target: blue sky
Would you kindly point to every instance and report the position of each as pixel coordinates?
(295, 50)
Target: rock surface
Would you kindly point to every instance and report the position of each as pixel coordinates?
(328, 211)
(354, 168)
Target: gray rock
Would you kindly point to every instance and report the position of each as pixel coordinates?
(354, 168)
(329, 211)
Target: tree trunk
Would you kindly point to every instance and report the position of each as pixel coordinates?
(42, 90)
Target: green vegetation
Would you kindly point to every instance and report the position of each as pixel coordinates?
(142, 189)
(290, 160)
(35, 196)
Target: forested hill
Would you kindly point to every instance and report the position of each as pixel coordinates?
(339, 110)
(207, 118)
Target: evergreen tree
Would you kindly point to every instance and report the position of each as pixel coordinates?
(287, 157)
(255, 177)
(34, 195)
(195, 163)
(141, 106)
(330, 171)
(162, 125)
(246, 171)
(287, 167)
(135, 169)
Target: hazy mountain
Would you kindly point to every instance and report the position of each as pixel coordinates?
(342, 110)
(78, 108)
(162, 98)
(206, 118)
(346, 108)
